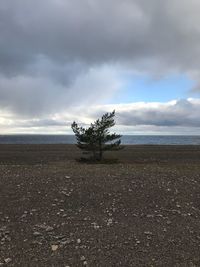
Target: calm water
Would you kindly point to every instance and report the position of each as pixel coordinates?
(126, 139)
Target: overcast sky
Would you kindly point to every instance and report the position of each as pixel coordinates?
(65, 60)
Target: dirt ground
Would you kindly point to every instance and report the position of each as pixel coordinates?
(142, 211)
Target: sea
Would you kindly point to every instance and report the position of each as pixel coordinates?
(126, 139)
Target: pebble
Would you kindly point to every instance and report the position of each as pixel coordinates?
(148, 233)
(95, 225)
(110, 221)
(7, 260)
(82, 258)
(54, 247)
(49, 229)
(37, 234)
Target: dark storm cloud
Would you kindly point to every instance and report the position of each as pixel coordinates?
(65, 31)
(49, 48)
(99, 31)
(180, 113)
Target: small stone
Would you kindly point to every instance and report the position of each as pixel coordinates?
(82, 258)
(65, 242)
(7, 260)
(110, 221)
(54, 247)
(37, 234)
(85, 263)
(78, 241)
(148, 233)
(96, 226)
(60, 237)
(49, 229)
(150, 215)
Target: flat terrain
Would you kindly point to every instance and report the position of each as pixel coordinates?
(142, 211)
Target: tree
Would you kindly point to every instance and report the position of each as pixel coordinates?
(97, 138)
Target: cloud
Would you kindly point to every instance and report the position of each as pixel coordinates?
(176, 113)
(34, 96)
(59, 54)
(177, 116)
(95, 32)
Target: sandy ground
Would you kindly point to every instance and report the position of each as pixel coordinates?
(143, 211)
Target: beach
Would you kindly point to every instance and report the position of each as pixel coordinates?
(143, 210)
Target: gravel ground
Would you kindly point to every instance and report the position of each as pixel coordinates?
(142, 211)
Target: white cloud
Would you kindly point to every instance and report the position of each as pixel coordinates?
(177, 116)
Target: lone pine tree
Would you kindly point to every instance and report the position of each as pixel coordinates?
(97, 138)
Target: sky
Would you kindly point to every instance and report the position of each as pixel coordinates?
(64, 60)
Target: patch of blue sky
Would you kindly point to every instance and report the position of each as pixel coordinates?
(140, 88)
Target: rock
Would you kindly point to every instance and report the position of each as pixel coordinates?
(150, 215)
(49, 229)
(148, 233)
(82, 258)
(96, 226)
(60, 237)
(65, 242)
(78, 241)
(7, 260)
(37, 234)
(109, 222)
(54, 247)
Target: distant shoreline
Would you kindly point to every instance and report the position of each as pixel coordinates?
(126, 139)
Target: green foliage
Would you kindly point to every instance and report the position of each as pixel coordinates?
(97, 138)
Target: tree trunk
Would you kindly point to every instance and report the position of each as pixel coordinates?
(100, 151)
(94, 155)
